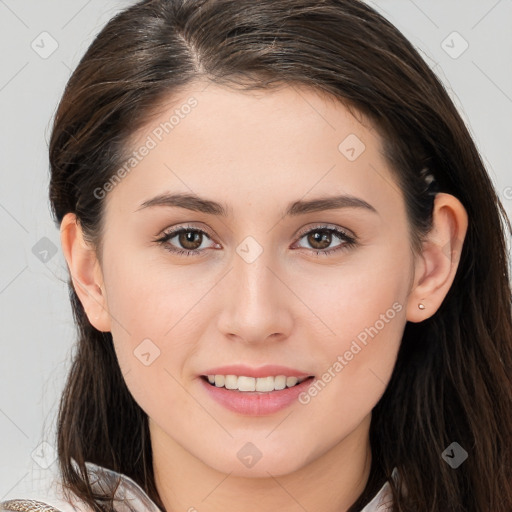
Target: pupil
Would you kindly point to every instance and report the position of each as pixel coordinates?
(320, 236)
(188, 241)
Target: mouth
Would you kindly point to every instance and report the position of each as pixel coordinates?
(246, 384)
(253, 391)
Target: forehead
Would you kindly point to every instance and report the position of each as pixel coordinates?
(246, 144)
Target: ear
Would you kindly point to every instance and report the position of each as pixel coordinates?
(85, 272)
(436, 266)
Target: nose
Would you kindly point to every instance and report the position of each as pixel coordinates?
(256, 303)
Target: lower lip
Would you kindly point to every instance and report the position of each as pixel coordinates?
(256, 403)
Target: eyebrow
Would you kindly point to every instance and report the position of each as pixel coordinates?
(198, 204)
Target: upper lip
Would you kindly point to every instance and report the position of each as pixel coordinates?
(269, 370)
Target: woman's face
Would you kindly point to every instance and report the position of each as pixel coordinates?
(286, 275)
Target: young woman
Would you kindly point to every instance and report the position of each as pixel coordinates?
(288, 269)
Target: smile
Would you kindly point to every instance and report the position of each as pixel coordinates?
(262, 384)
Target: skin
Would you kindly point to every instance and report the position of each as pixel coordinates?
(263, 150)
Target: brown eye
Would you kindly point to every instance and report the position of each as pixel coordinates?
(189, 239)
(320, 239)
(186, 241)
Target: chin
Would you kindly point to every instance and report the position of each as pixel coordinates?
(258, 460)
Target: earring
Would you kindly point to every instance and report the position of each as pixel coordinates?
(421, 306)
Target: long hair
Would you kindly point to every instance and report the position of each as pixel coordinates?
(452, 379)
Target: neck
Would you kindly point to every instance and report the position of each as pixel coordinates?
(330, 482)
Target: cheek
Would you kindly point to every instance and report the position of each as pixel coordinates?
(154, 322)
(364, 299)
(366, 316)
(149, 299)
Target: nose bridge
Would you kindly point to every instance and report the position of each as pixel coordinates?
(255, 306)
(255, 279)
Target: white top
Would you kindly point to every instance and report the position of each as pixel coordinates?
(51, 499)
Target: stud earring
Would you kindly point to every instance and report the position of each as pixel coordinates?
(421, 306)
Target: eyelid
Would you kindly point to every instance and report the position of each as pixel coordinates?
(326, 226)
(186, 227)
(303, 231)
(350, 238)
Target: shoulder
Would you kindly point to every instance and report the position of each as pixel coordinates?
(42, 492)
(40, 505)
(49, 495)
(31, 505)
(26, 505)
(383, 500)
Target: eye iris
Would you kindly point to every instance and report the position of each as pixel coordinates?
(323, 237)
(191, 240)
(190, 237)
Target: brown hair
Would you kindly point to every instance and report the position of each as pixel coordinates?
(452, 377)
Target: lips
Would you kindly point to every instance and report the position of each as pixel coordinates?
(255, 391)
(262, 371)
(255, 403)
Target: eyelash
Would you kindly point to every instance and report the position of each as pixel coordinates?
(349, 241)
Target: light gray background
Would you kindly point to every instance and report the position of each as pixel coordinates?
(36, 323)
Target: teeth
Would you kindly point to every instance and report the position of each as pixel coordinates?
(231, 382)
(264, 384)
